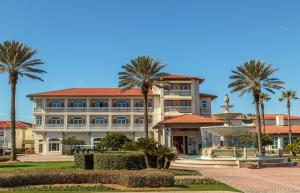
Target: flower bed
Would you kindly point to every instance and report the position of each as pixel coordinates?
(132, 178)
(4, 158)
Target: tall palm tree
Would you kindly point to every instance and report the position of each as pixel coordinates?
(142, 72)
(17, 60)
(288, 95)
(251, 78)
(264, 97)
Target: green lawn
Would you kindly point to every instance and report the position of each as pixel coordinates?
(35, 165)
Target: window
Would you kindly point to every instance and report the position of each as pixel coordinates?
(185, 87)
(77, 121)
(184, 103)
(54, 145)
(121, 104)
(78, 104)
(139, 104)
(204, 104)
(121, 120)
(275, 143)
(139, 120)
(38, 120)
(285, 141)
(56, 104)
(1, 133)
(100, 104)
(38, 103)
(55, 121)
(100, 120)
(169, 103)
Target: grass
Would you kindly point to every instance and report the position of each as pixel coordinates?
(35, 165)
(209, 187)
(178, 172)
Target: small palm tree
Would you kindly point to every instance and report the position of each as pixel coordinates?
(252, 77)
(17, 60)
(146, 145)
(142, 72)
(161, 151)
(289, 95)
(263, 98)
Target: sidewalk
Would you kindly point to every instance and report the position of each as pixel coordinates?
(44, 158)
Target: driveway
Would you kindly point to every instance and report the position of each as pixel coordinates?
(274, 180)
(44, 158)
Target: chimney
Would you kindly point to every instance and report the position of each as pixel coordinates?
(279, 120)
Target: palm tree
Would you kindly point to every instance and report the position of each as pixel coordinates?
(288, 96)
(142, 72)
(264, 97)
(252, 77)
(146, 145)
(161, 151)
(17, 60)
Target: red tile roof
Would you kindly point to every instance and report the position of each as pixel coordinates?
(19, 124)
(273, 129)
(190, 119)
(84, 92)
(208, 95)
(272, 117)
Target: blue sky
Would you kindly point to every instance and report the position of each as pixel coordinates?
(85, 42)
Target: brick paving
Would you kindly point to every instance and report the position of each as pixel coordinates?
(275, 180)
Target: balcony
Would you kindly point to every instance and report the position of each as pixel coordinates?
(178, 92)
(120, 109)
(140, 126)
(98, 109)
(204, 111)
(98, 126)
(38, 109)
(55, 109)
(54, 126)
(141, 109)
(76, 126)
(37, 126)
(181, 109)
(120, 126)
(77, 109)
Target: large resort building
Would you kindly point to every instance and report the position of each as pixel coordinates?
(176, 115)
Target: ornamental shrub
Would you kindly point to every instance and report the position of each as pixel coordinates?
(129, 178)
(4, 158)
(119, 160)
(84, 161)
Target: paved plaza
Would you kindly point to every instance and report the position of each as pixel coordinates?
(44, 158)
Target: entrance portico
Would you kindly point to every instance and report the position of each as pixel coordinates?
(183, 133)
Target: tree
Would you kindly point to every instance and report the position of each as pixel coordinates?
(161, 151)
(114, 141)
(247, 140)
(288, 96)
(252, 77)
(72, 141)
(264, 97)
(294, 147)
(142, 72)
(146, 145)
(16, 59)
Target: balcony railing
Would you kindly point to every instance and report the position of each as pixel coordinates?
(38, 109)
(178, 92)
(140, 125)
(120, 126)
(98, 109)
(120, 109)
(76, 126)
(55, 109)
(37, 126)
(98, 126)
(77, 109)
(54, 126)
(181, 109)
(141, 109)
(204, 111)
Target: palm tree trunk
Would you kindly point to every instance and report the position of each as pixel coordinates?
(146, 157)
(258, 126)
(289, 121)
(146, 113)
(262, 107)
(13, 119)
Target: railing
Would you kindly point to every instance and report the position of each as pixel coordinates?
(141, 109)
(120, 126)
(120, 109)
(54, 126)
(76, 126)
(181, 109)
(55, 109)
(204, 111)
(98, 109)
(140, 126)
(77, 109)
(37, 126)
(178, 92)
(38, 109)
(98, 126)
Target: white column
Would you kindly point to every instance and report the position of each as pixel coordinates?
(280, 142)
(164, 133)
(169, 137)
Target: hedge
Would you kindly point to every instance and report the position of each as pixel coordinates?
(4, 158)
(129, 178)
(84, 161)
(119, 160)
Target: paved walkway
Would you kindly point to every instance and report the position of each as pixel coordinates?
(44, 158)
(274, 180)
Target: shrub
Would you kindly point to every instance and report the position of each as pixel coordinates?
(64, 188)
(125, 177)
(84, 161)
(252, 165)
(4, 158)
(119, 160)
(21, 150)
(193, 181)
(113, 141)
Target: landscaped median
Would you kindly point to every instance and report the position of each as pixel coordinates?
(128, 178)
